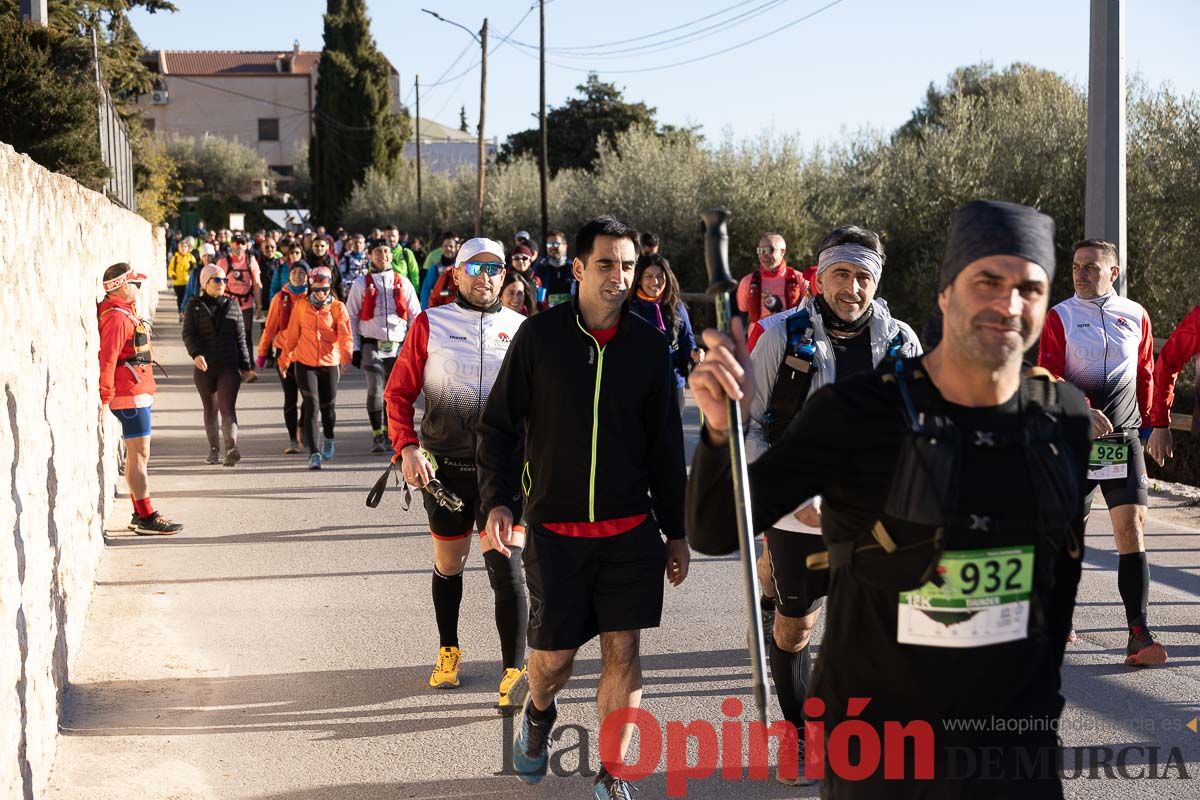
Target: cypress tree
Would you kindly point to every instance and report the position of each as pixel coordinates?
(355, 127)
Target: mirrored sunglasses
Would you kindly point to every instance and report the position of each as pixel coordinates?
(492, 268)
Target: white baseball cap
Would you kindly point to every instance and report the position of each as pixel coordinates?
(522, 235)
(473, 247)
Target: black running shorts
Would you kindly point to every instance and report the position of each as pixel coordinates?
(459, 477)
(580, 587)
(1133, 489)
(799, 591)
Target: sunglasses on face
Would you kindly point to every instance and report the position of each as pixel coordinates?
(762, 251)
(218, 280)
(520, 258)
(554, 244)
(492, 268)
(318, 288)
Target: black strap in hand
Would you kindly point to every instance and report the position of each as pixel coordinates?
(376, 493)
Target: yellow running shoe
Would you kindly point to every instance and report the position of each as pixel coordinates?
(445, 673)
(514, 687)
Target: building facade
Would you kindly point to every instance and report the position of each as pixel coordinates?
(263, 99)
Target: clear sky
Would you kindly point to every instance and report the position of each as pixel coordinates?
(857, 63)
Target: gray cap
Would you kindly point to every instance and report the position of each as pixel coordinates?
(994, 228)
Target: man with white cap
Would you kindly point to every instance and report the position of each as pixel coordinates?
(953, 516)
(844, 330)
(452, 354)
(127, 389)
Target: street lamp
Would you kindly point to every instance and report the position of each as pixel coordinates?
(482, 39)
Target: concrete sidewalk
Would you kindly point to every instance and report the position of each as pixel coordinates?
(279, 647)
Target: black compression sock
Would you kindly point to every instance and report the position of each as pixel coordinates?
(543, 717)
(512, 610)
(447, 598)
(787, 670)
(1133, 582)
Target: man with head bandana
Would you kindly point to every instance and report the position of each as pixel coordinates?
(842, 331)
(953, 518)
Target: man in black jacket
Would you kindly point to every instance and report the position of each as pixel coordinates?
(588, 388)
(953, 517)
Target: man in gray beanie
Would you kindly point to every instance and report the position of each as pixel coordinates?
(953, 518)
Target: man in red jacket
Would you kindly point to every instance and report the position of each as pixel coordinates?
(1182, 346)
(127, 389)
(774, 286)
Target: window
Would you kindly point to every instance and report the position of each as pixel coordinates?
(282, 170)
(268, 129)
(148, 124)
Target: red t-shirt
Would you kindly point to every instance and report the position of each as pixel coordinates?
(602, 528)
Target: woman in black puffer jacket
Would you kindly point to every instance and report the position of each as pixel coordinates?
(214, 334)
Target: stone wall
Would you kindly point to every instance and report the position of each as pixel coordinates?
(57, 449)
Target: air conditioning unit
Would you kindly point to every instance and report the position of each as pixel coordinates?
(160, 97)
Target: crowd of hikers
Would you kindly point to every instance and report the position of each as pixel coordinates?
(933, 494)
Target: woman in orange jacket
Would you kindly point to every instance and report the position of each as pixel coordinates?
(279, 315)
(319, 343)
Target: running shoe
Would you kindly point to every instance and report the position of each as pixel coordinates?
(610, 788)
(214, 457)
(232, 456)
(445, 672)
(327, 451)
(531, 749)
(800, 779)
(1142, 650)
(133, 523)
(292, 448)
(514, 686)
(379, 444)
(157, 525)
(314, 461)
(1072, 636)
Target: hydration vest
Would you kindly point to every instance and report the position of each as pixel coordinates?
(903, 548)
(366, 311)
(241, 279)
(793, 291)
(794, 379)
(288, 299)
(140, 341)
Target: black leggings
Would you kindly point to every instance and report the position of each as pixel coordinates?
(218, 387)
(318, 386)
(179, 290)
(248, 321)
(291, 400)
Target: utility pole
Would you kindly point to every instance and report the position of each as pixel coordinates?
(544, 159)
(1104, 207)
(483, 42)
(417, 86)
(482, 38)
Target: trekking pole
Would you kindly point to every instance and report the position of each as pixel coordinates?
(720, 285)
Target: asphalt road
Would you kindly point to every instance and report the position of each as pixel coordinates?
(279, 647)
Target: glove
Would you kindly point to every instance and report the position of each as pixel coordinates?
(260, 361)
(356, 359)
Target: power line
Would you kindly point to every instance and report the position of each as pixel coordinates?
(683, 40)
(697, 59)
(504, 39)
(643, 37)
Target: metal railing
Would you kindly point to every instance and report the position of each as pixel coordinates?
(117, 154)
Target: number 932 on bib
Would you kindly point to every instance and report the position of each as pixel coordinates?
(983, 599)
